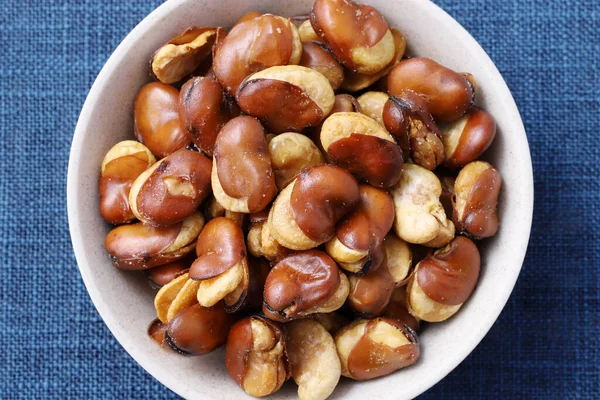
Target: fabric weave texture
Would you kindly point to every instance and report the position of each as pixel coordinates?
(545, 345)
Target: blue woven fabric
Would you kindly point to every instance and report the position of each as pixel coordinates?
(544, 346)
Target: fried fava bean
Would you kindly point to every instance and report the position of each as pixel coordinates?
(448, 93)
(262, 244)
(397, 309)
(242, 175)
(372, 103)
(316, 56)
(203, 110)
(307, 33)
(304, 283)
(176, 296)
(163, 274)
(467, 138)
(407, 118)
(286, 98)
(253, 45)
(420, 217)
(361, 146)
(313, 359)
(123, 163)
(256, 356)
(305, 213)
(172, 189)
(198, 330)
(156, 119)
(357, 243)
(182, 55)
(355, 81)
(222, 265)
(140, 246)
(372, 348)
(442, 282)
(371, 293)
(357, 34)
(291, 153)
(476, 189)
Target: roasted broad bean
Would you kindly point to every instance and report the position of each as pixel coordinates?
(360, 145)
(253, 45)
(304, 283)
(305, 212)
(357, 34)
(141, 246)
(156, 119)
(372, 348)
(476, 192)
(442, 282)
(286, 98)
(448, 93)
(172, 189)
(182, 55)
(123, 163)
(242, 175)
(468, 137)
(256, 356)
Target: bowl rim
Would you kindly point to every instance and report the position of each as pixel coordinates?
(77, 235)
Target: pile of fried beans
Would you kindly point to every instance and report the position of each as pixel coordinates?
(303, 193)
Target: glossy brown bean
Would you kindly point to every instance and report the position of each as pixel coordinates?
(123, 163)
(140, 246)
(361, 146)
(172, 189)
(286, 98)
(466, 139)
(320, 197)
(476, 189)
(407, 118)
(242, 175)
(372, 348)
(316, 56)
(443, 281)
(156, 119)
(358, 240)
(221, 265)
(304, 283)
(198, 330)
(448, 93)
(203, 110)
(254, 45)
(357, 34)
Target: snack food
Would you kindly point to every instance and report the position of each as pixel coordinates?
(264, 188)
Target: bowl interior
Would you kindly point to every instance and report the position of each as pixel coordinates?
(124, 299)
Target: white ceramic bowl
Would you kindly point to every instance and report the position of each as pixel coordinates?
(124, 299)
